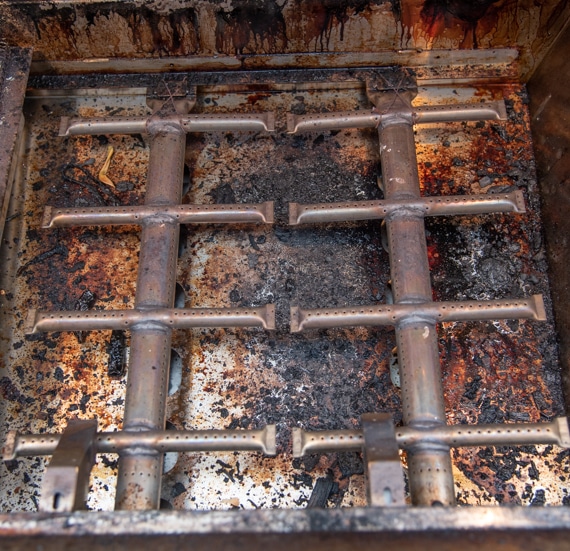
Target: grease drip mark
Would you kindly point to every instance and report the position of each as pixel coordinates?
(262, 22)
(439, 15)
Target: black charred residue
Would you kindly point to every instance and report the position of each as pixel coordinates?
(182, 37)
(323, 16)
(116, 353)
(175, 32)
(253, 27)
(435, 12)
(85, 302)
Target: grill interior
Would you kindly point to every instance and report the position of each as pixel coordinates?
(247, 378)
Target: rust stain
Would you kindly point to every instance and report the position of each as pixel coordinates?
(251, 28)
(443, 14)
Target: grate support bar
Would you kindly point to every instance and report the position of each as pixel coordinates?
(426, 206)
(455, 436)
(173, 318)
(262, 440)
(398, 314)
(182, 214)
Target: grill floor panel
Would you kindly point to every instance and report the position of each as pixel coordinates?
(493, 371)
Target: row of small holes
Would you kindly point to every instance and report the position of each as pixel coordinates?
(104, 315)
(374, 204)
(333, 437)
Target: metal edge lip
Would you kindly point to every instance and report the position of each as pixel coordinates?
(64, 124)
(269, 317)
(30, 323)
(501, 110)
(518, 200)
(297, 440)
(539, 309)
(291, 123)
(268, 208)
(563, 431)
(47, 217)
(294, 214)
(296, 319)
(270, 440)
(270, 121)
(9, 449)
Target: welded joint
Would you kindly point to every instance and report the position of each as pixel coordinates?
(159, 219)
(161, 124)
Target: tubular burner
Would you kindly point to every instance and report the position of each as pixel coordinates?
(152, 320)
(425, 434)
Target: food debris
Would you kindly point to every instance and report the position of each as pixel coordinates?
(103, 172)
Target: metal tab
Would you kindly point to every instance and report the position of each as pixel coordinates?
(262, 440)
(397, 314)
(428, 206)
(183, 214)
(66, 481)
(173, 318)
(384, 473)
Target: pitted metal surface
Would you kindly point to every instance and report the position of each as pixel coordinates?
(247, 378)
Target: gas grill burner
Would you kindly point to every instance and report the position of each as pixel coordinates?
(425, 434)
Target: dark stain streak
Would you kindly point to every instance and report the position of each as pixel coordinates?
(174, 33)
(437, 12)
(262, 21)
(323, 16)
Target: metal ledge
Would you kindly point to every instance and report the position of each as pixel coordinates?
(471, 528)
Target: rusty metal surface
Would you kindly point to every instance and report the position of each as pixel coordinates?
(247, 378)
(387, 528)
(232, 33)
(550, 123)
(14, 69)
(66, 481)
(430, 206)
(384, 473)
(515, 434)
(167, 441)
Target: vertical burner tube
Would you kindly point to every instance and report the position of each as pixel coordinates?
(140, 472)
(429, 465)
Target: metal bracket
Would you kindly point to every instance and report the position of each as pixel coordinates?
(384, 473)
(175, 95)
(66, 480)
